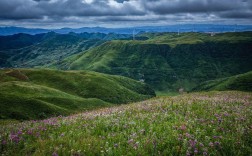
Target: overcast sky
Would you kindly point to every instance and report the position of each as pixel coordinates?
(122, 13)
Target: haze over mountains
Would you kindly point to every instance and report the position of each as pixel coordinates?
(129, 30)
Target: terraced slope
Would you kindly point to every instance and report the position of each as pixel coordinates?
(40, 93)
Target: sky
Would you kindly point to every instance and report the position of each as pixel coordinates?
(122, 13)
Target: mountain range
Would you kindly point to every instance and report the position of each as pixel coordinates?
(129, 30)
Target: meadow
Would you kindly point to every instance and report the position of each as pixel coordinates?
(209, 123)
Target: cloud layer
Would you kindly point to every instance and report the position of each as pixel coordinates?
(58, 13)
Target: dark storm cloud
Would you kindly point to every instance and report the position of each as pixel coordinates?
(221, 8)
(18, 10)
(190, 6)
(63, 8)
(237, 14)
(121, 1)
(54, 11)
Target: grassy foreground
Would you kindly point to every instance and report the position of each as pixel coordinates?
(214, 123)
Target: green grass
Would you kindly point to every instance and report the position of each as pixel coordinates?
(195, 38)
(242, 82)
(166, 93)
(40, 93)
(213, 123)
(168, 62)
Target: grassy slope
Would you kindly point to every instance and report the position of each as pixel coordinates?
(242, 82)
(30, 93)
(167, 61)
(213, 123)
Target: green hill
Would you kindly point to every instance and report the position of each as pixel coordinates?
(168, 61)
(242, 82)
(40, 93)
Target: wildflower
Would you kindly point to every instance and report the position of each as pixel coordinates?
(136, 145)
(204, 153)
(29, 132)
(54, 154)
(195, 150)
(192, 143)
(217, 143)
(188, 153)
(130, 141)
(188, 135)
(115, 145)
(4, 142)
(211, 144)
(19, 132)
(183, 127)
(15, 138)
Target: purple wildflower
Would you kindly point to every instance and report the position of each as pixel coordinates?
(195, 150)
(15, 138)
(54, 154)
(192, 143)
(217, 143)
(4, 142)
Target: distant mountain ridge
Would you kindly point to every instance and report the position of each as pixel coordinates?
(169, 28)
(25, 50)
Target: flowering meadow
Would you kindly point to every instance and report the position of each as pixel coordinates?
(213, 123)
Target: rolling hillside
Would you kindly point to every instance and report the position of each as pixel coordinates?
(40, 93)
(242, 82)
(168, 61)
